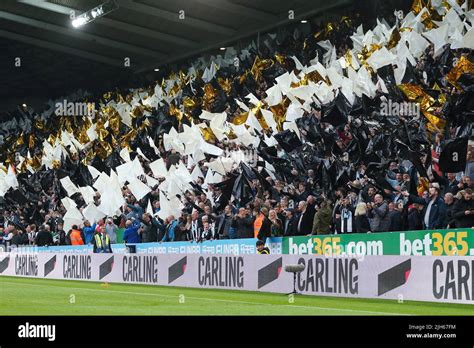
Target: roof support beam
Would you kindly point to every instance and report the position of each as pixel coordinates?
(300, 13)
(156, 35)
(57, 47)
(240, 10)
(174, 17)
(78, 34)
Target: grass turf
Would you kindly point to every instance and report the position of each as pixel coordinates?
(27, 296)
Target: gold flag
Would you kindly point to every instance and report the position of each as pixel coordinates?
(463, 66)
(240, 119)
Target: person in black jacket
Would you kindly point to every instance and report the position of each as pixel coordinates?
(62, 237)
(434, 210)
(266, 228)
(450, 203)
(44, 238)
(183, 231)
(243, 224)
(289, 227)
(302, 192)
(395, 217)
(23, 237)
(149, 229)
(16, 238)
(304, 224)
(224, 222)
(448, 184)
(311, 206)
(414, 217)
(452, 183)
(463, 210)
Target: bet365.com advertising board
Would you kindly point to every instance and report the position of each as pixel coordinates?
(452, 242)
(427, 278)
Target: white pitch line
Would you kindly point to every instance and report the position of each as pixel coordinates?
(213, 299)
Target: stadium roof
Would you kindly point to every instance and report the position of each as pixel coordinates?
(57, 59)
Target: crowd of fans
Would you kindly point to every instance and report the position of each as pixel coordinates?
(301, 199)
(447, 203)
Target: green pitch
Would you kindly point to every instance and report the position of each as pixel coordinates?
(27, 296)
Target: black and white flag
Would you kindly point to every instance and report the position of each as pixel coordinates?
(453, 156)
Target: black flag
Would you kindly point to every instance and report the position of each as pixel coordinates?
(288, 140)
(453, 157)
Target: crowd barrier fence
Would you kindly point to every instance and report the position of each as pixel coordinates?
(421, 278)
(444, 242)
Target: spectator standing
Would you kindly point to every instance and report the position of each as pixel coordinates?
(22, 237)
(196, 226)
(257, 222)
(434, 212)
(149, 229)
(101, 242)
(243, 224)
(88, 231)
(44, 237)
(450, 203)
(378, 212)
(360, 218)
(305, 220)
(75, 236)
(111, 230)
(322, 219)
(291, 223)
(276, 224)
(395, 217)
(130, 234)
(265, 230)
(452, 183)
(224, 223)
(16, 239)
(9, 234)
(2, 236)
(463, 211)
(62, 237)
(415, 220)
(171, 224)
(184, 228)
(345, 222)
(208, 232)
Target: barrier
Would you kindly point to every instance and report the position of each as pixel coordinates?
(427, 278)
(221, 246)
(428, 242)
(459, 242)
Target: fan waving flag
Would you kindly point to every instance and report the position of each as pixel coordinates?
(453, 157)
